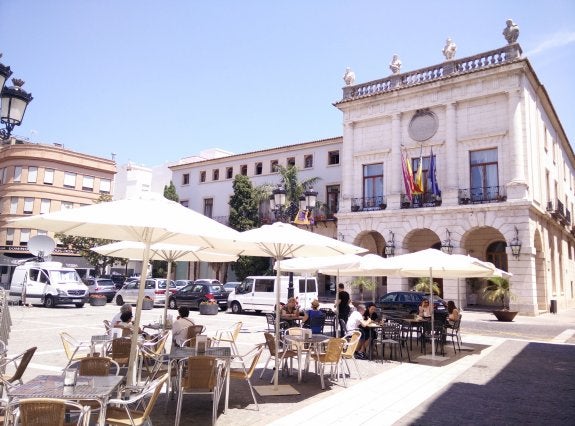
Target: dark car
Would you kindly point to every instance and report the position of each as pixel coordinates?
(103, 286)
(200, 291)
(407, 302)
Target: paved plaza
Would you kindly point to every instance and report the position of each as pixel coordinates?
(495, 380)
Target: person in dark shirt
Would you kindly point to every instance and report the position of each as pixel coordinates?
(342, 303)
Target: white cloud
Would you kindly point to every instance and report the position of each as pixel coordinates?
(553, 41)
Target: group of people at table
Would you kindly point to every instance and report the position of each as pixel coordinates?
(355, 317)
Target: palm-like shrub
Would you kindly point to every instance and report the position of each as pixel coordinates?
(499, 290)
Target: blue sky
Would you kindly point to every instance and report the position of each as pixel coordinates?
(155, 81)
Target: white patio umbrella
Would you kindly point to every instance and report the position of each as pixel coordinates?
(281, 241)
(162, 251)
(148, 218)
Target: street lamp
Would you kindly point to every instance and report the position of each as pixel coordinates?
(515, 245)
(14, 102)
(389, 249)
(447, 246)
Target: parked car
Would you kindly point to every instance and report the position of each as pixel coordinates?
(407, 302)
(180, 284)
(155, 289)
(231, 285)
(200, 291)
(103, 286)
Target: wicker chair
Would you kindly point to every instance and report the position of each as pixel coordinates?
(75, 349)
(193, 331)
(20, 363)
(246, 374)
(135, 411)
(331, 356)
(49, 412)
(120, 350)
(282, 354)
(204, 376)
(98, 366)
(229, 335)
(349, 351)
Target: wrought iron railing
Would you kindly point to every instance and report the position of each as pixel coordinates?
(488, 194)
(426, 199)
(368, 203)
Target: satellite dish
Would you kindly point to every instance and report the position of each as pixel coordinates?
(41, 246)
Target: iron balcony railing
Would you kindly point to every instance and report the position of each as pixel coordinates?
(368, 203)
(426, 199)
(488, 194)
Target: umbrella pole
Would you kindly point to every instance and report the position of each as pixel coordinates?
(277, 326)
(134, 345)
(432, 312)
(168, 282)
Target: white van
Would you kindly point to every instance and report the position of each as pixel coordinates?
(258, 294)
(48, 284)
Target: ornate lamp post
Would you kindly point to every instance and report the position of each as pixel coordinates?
(447, 245)
(14, 102)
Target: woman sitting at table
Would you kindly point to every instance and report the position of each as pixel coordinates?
(424, 309)
(453, 312)
(368, 333)
(126, 324)
(314, 312)
(290, 312)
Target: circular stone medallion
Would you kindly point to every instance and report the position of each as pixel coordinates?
(423, 126)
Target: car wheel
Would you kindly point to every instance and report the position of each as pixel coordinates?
(172, 304)
(49, 302)
(236, 308)
(119, 300)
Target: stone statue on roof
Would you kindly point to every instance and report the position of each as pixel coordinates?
(395, 64)
(511, 31)
(449, 49)
(349, 77)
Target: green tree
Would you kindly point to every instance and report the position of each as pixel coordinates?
(170, 192)
(244, 215)
(422, 284)
(83, 246)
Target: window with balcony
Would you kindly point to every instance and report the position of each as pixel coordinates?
(372, 185)
(216, 174)
(274, 166)
(308, 161)
(45, 205)
(333, 158)
(208, 207)
(24, 236)
(259, 168)
(244, 170)
(69, 180)
(484, 180)
(186, 179)
(32, 174)
(28, 205)
(229, 172)
(332, 200)
(202, 177)
(48, 176)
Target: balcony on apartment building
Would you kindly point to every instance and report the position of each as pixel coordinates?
(560, 214)
(488, 194)
(368, 203)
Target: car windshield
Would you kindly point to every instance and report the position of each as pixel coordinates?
(64, 277)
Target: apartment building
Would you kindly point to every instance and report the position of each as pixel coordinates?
(38, 178)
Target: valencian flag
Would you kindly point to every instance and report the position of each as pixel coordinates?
(433, 176)
(407, 176)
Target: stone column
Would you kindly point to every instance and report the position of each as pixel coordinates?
(347, 167)
(449, 168)
(514, 150)
(394, 174)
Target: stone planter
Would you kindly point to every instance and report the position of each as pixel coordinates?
(506, 316)
(209, 309)
(98, 301)
(147, 304)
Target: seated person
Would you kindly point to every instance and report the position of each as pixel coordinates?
(126, 324)
(453, 312)
(424, 309)
(126, 307)
(180, 326)
(355, 322)
(368, 334)
(314, 312)
(290, 312)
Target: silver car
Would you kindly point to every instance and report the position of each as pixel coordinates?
(155, 289)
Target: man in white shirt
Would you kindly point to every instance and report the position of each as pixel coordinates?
(180, 326)
(355, 322)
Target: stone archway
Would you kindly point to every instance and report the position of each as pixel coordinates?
(375, 243)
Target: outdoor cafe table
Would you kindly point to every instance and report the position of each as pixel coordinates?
(178, 353)
(304, 343)
(98, 388)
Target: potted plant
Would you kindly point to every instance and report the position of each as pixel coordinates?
(363, 283)
(209, 307)
(147, 303)
(422, 284)
(498, 290)
(98, 300)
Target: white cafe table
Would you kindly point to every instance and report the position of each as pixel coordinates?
(98, 388)
(303, 343)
